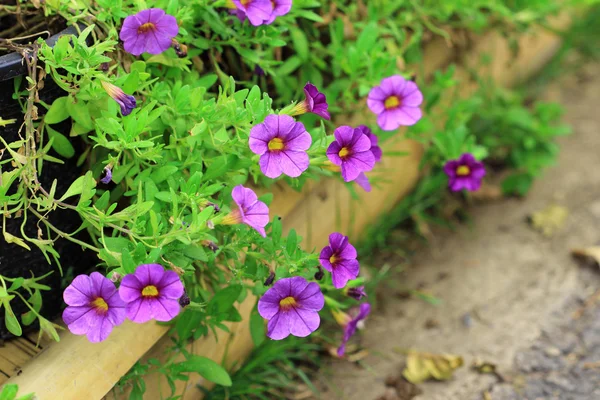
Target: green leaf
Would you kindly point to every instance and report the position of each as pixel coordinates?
(80, 112)
(60, 143)
(74, 189)
(292, 243)
(9, 391)
(257, 328)
(223, 300)
(300, 43)
(367, 38)
(207, 368)
(58, 111)
(10, 319)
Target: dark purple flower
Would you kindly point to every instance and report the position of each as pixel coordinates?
(258, 70)
(396, 102)
(280, 8)
(281, 143)
(339, 258)
(464, 173)
(211, 245)
(151, 293)
(94, 307)
(352, 151)
(319, 274)
(270, 279)
(184, 300)
(257, 11)
(148, 31)
(357, 293)
(315, 102)
(107, 172)
(356, 315)
(125, 101)
(251, 211)
(291, 306)
(374, 142)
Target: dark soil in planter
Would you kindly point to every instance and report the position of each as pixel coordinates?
(17, 261)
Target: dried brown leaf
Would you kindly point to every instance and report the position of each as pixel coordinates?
(424, 366)
(549, 220)
(591, 254)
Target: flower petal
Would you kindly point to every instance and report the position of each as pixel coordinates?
(139, 311)
(170, 286)
(311, 298)
(164, 309)
(303, 322)
(167, 26)
(79, 319)
(259, 139)
(348, 252)
(100, 330)
(343, 135)
(411, 95)
(279, 326)
(130, 288)
(362, 181)
(79, 292)
(293, 163)
(157, 43)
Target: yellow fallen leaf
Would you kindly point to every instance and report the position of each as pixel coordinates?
(549, 220)
(483, 367)
(588, 253)
(423, 366)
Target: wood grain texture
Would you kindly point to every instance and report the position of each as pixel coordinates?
(76, 369)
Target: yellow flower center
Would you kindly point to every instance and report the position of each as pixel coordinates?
(287, 303)
(276, 144)
(245, 2)
(150, 291)
(463, 170)
(100, 305)
(333, 259)
(147, 27)
(344, 152)
(391, 102)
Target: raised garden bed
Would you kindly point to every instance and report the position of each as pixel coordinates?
(77, 369)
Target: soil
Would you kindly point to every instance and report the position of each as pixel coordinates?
(510, 295)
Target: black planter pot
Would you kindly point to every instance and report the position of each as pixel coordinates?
(17, 261)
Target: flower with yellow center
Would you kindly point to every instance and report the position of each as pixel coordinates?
(100, 305)
(344, 152)
(287, 303)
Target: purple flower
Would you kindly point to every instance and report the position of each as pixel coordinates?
(151, 293)
(464, 173)
(107, 175)
(357, 293)
(281, 143)
(357, 315)
(352, 151)
(251, 211)
(280, 8)
(258, 70)
(125, 101)
(315, 102)
(291, 306)
(374, 142)
(339, 258)
(257, 11)
(396, 102)
(148, 31)
(94, 307)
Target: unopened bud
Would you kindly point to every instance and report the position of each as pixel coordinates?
(270, 279)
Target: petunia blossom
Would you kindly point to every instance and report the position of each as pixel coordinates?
(396, 102)
(257, 11)
(151, 293)
(107, 172)
(464, 173)
(280, 8)
(351, 150)
(315, 102)
(281, 143)
(356, 316)
(339, 258)
(291, 306)
(94, 307)
(148, 31)
(126, 102)
(251, 211)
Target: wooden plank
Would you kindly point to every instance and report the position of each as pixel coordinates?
(76, 369)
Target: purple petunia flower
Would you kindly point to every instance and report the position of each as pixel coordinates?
(357, 293)
(281, 143)
(280, 8)
(357, 315)
(125, 101)
(251, 211)
(339, 258)
(148, 31)
(257, 11)
(94, 307)
(374, 142)
(464, 173)
(396, 102)
(315, 102)
(352, 151)
(291, 306)
(151, 293)
(107, 175)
